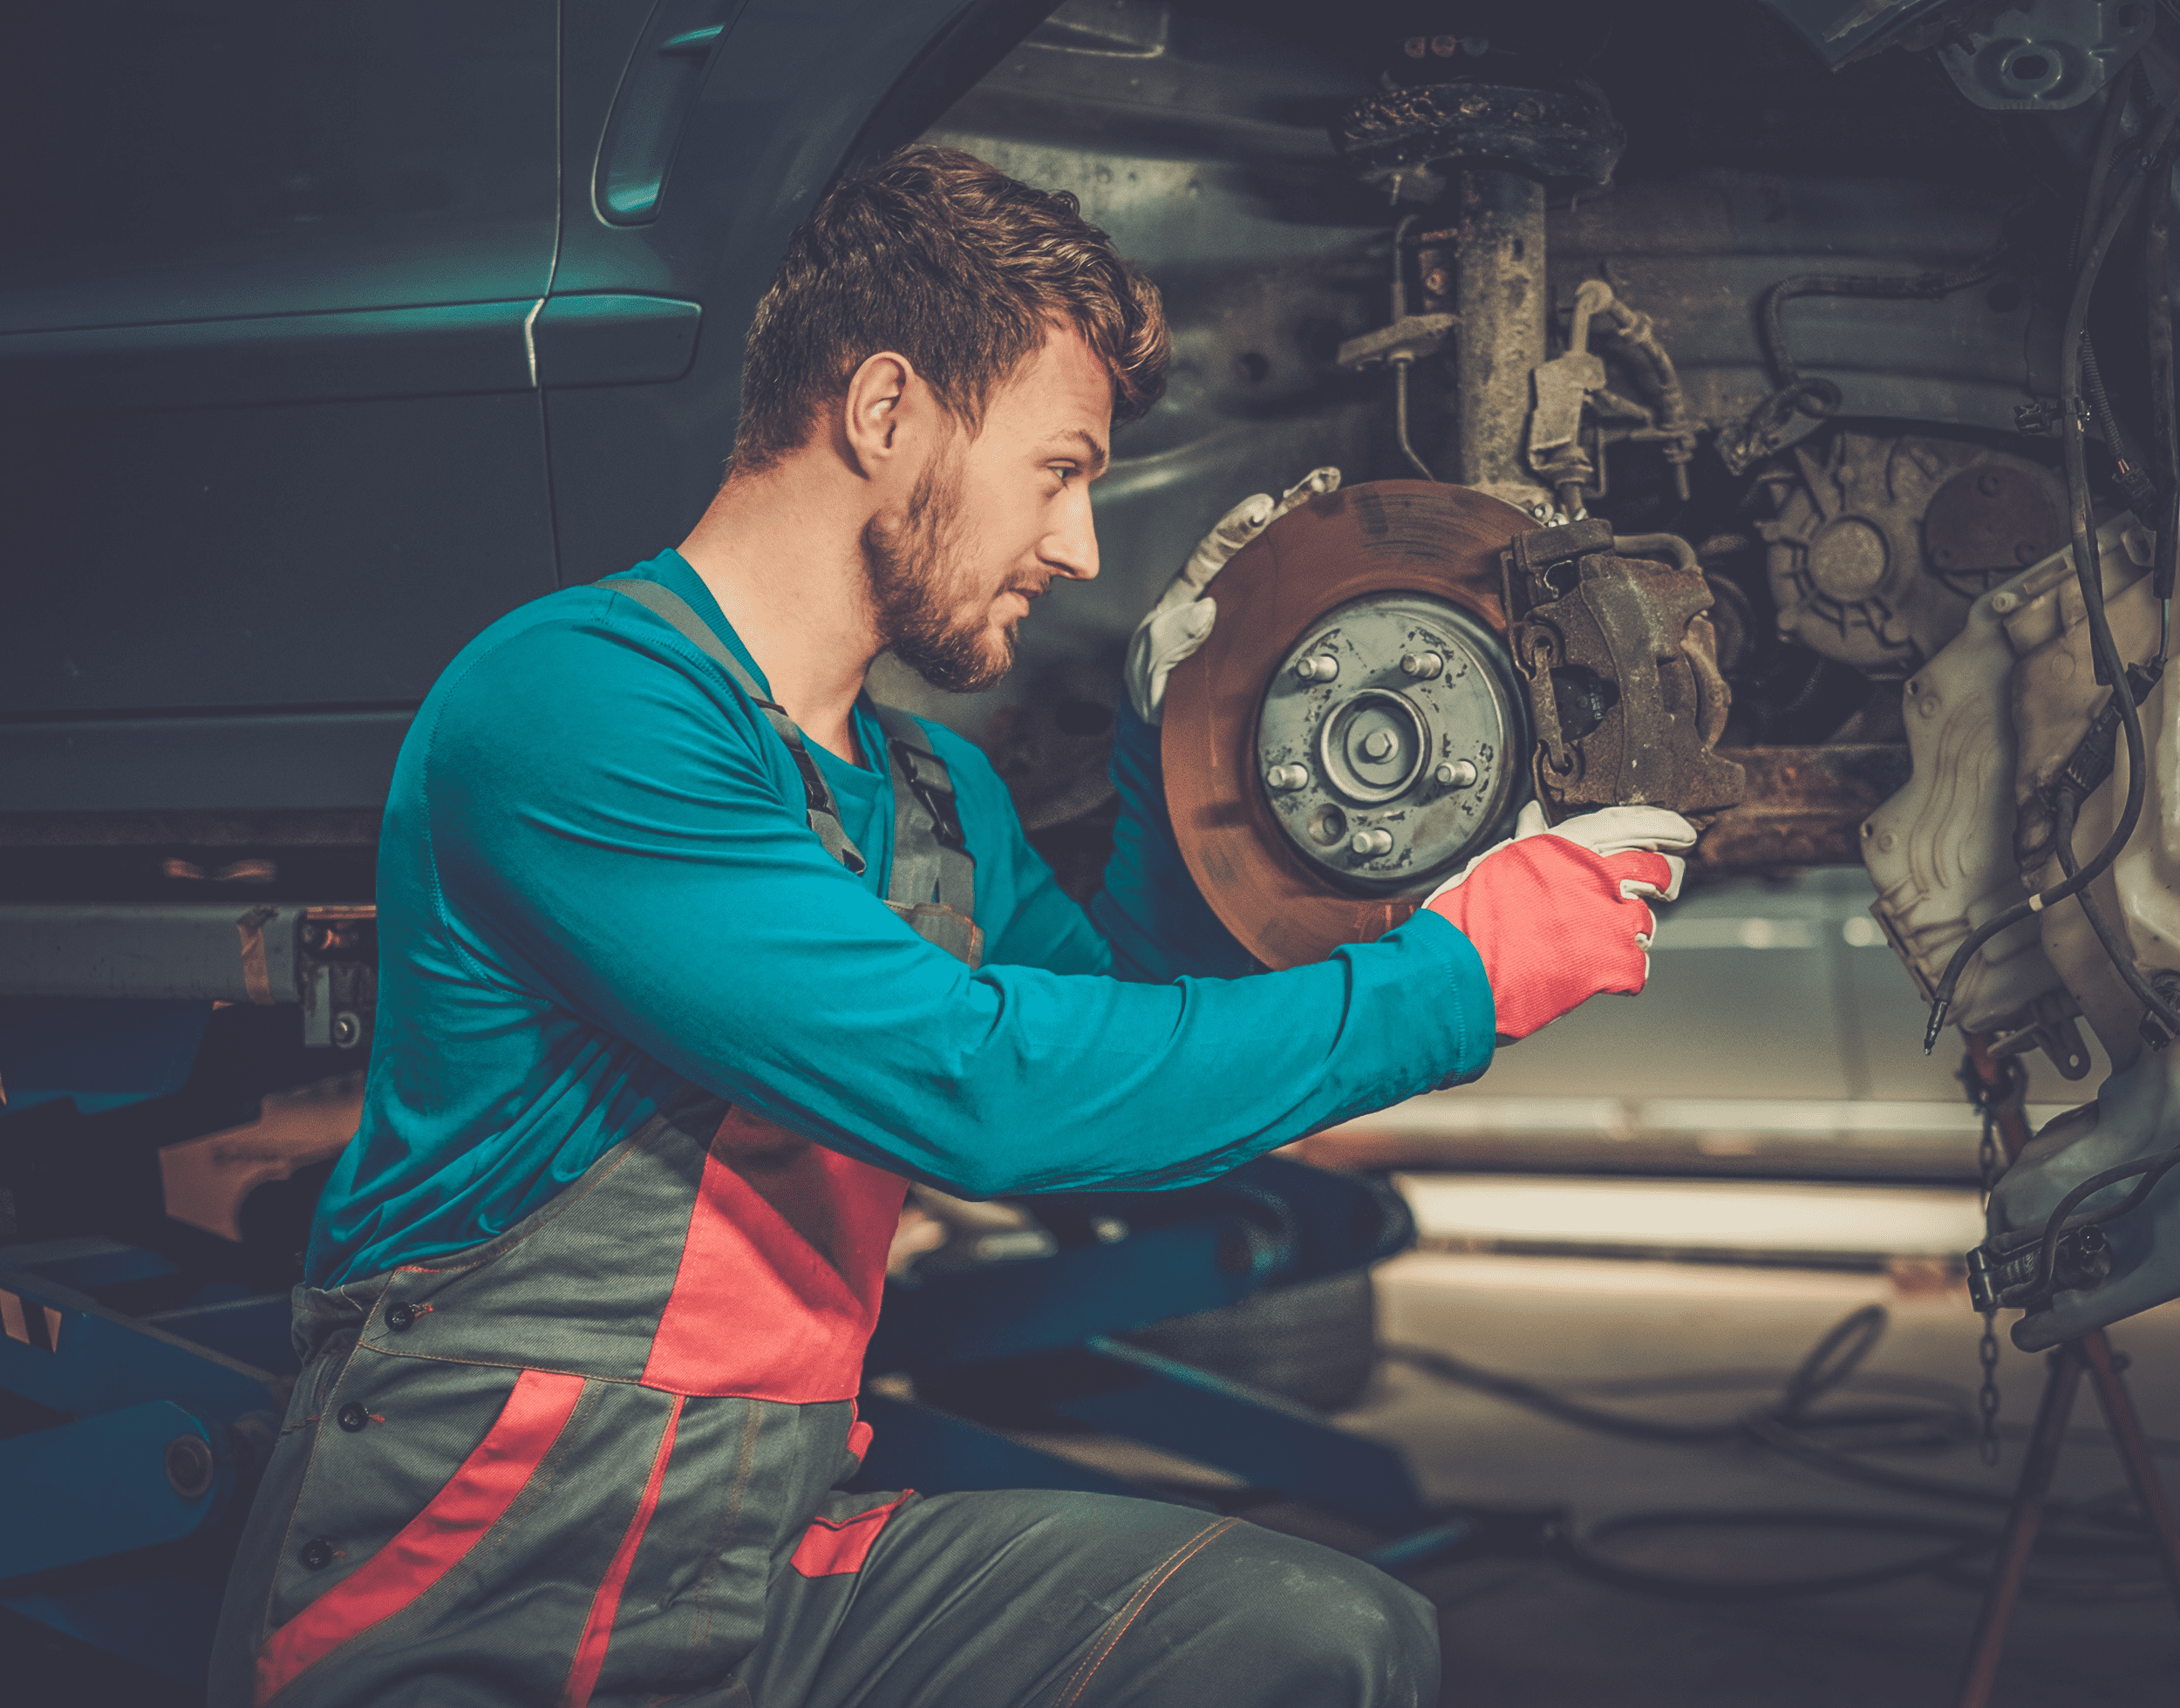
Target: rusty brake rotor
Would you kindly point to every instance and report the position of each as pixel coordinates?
(1352, 728)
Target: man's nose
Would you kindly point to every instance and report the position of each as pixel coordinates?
(1072, 548)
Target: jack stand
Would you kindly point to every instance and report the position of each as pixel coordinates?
(2091, 1355)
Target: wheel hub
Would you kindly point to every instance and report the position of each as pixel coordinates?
(1383, 738)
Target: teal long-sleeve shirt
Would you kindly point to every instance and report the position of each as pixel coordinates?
(597, 882)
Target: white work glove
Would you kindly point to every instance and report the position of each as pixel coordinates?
(1560, 914)
(1181, 621)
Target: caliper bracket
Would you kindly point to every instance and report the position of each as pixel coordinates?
(1621, 671)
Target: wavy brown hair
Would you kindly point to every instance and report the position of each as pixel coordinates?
(959, 267)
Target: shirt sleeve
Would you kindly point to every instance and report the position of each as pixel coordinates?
(1149, 910)
(628, 841)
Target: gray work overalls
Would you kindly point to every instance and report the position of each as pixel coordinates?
(593, 1461)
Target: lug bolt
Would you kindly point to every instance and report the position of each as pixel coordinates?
(1456, 774)
(1423, 665)
(1370, 843)
(1319, 667)
(1285, 778)
(1377, 745)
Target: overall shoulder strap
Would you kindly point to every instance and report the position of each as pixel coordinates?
(933, 881)
(825, 818)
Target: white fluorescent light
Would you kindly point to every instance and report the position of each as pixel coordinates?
(1726, 1217)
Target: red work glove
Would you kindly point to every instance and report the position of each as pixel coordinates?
(1556, 913)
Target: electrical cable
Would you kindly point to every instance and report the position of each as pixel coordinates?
(1913, 287)
(1581, 1555)
(2111, 129)
(2164, 409)
(2145, 1172)
(2115, 951)
(2141, 493)
(1786, 1424)
(2127, 463)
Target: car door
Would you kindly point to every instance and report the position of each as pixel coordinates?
(271, 447)
(688, 161)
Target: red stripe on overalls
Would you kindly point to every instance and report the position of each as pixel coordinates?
(605, 1606)
(432, 1543)
(782, 1271)
(830, 1549)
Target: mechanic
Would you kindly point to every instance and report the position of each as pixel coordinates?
(692, 957)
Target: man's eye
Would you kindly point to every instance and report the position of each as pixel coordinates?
(1065, 472)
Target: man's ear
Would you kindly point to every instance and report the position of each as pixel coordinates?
(871, 415)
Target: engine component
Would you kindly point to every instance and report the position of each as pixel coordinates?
(2008, 1274)
(1801, 405)
(1356, 645)
(1999, 725)
(1840, 33)
(1406, 140)
(1485, 153)
(2042, 56)
(1399, 718)
(1878, 546)
(2091, 1210)
(2072, 765)
(1495, 252)
(1800, 807)
(1564, 384)
(1941, 850)
(1621, 673)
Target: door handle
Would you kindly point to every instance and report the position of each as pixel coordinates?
(652, 107)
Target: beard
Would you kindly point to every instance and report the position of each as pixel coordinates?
(925, 609)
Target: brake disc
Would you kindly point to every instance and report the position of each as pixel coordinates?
(1352, 730)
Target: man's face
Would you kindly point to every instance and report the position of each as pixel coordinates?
(993, 519)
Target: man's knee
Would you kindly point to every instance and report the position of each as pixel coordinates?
(1305, 1624)
(1356, 1628)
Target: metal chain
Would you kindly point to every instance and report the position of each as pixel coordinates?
(1987, 1446)
(1987, 1100)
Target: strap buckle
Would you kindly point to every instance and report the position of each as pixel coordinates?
(936, 796)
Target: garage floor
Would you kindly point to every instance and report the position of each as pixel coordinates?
(1527, 1635)
(1523, 1633)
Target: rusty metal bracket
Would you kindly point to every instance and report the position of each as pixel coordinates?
(1410, 338)
(1804, 807)
(1621, 670)
(337, 973)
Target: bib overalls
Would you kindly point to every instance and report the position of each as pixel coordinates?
(594, 1459)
